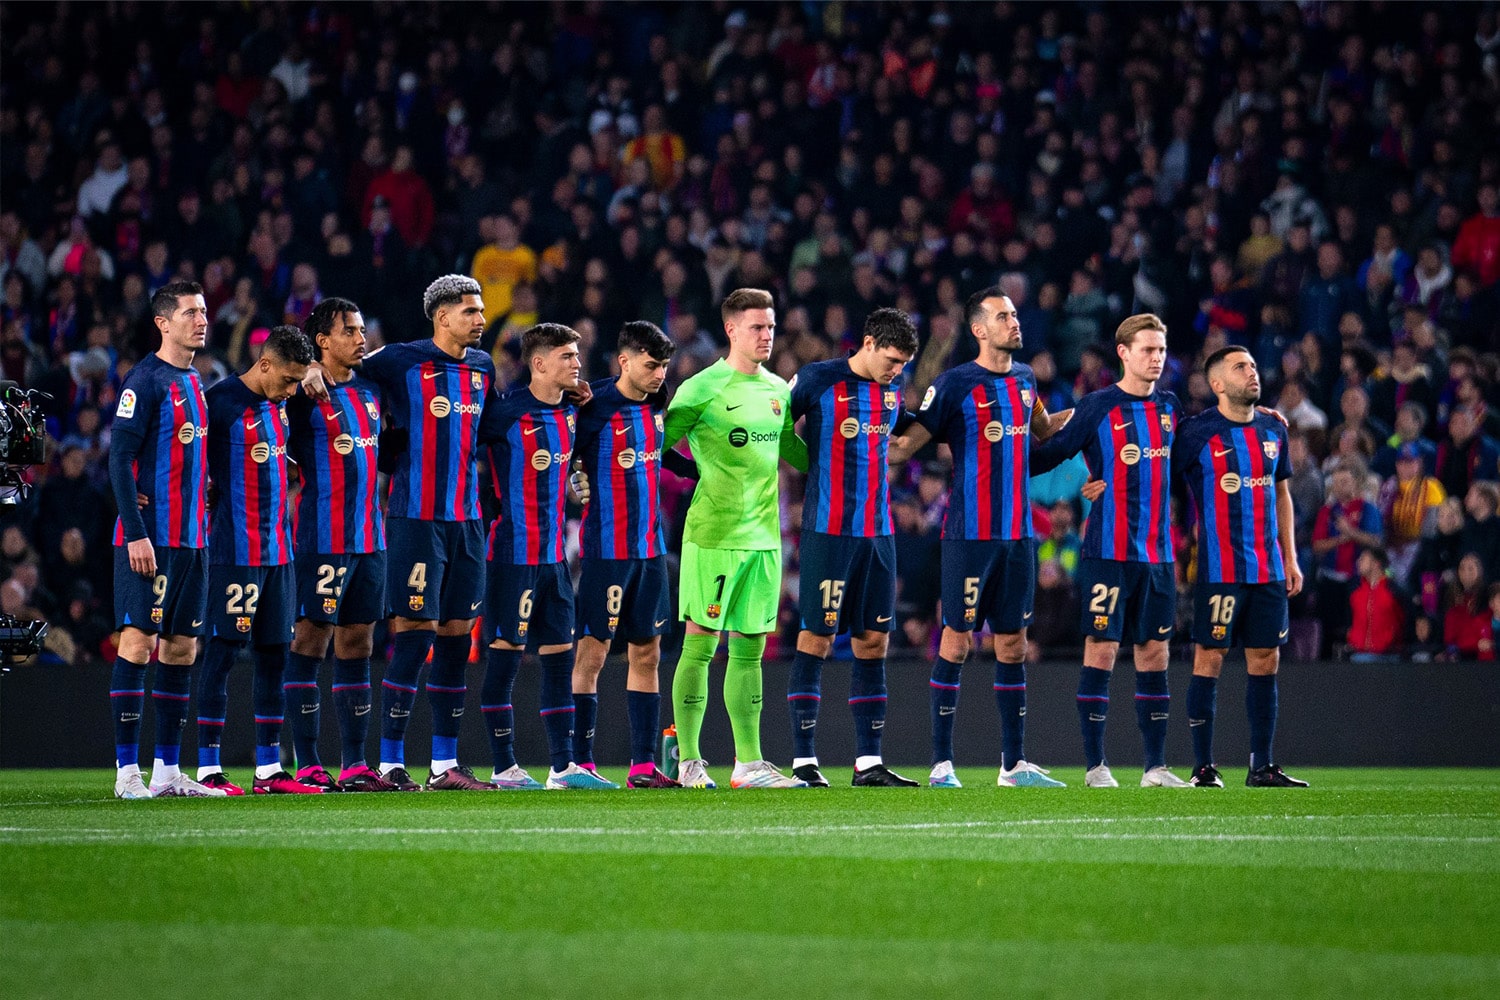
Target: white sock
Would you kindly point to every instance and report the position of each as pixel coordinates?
(439, 766)
(265, 771)
(740, 768)
(204, 772)
(801, 761)
(162, 772)
(865, 763)
(127, 770)
(386, 767)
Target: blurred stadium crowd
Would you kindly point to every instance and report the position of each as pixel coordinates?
(1315, 181)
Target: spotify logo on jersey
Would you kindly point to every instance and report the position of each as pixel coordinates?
(739, 437)
(994, 431)
(541, 460)
(626, 458)
(186, 433)
(439, 407)
(849, 428)
(260, 451)
(343, 444)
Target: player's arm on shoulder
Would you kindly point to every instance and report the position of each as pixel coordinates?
(908, 441)
(1064, 442)
(1043, 424)
(684, 410)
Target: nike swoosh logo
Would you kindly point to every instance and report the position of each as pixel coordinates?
(431, 374)
(736, 406)
(1121, 427)
(309, 709)
(475, 605)
(985, 405)
(178, 402)
(659, 624)
(1282, 634)
(845, 399)
(622, 430)
(250, 425)
(881, 620)
(1221, 454)
(362, 710)
(809, 723)
(1164, 630)
(529, 430)
(197, 624)
(1026, 616)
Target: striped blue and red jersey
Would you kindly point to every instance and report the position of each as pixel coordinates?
(1231, 470)
(1339, 562)
(1126, 440)
(159, 448)
(334, 443)
(247, 453)
(985, 418)
(531, 444)
(433, 403)
(619, 443)
(848, 429)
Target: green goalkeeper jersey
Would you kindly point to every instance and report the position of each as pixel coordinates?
(738, 426)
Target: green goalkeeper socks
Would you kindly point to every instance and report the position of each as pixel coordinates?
(742, 694)
(690, 691)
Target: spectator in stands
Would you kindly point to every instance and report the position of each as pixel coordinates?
(1467, 455)
(1054, 626)
(1378, 611)
(1468, 632)
(1481, 532)
(407, 195)
(1477, 248)
(1408, 508)
(1411, 422)
(1061, 544)
(1345, 524)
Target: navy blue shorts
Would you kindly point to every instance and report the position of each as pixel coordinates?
(629, 596)
(1249, 615)
(252, 604)
(1130, 602)
(988, 581)
(434, 569)
(173, 602)
(341, 589)
(529, 605)
(846, 584)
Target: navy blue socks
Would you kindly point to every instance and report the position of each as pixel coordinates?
(1093, 710)
(400, 691)
(1010, 699)
(1202, 704)
(944, 691)
(803, 697)
(1152, 702)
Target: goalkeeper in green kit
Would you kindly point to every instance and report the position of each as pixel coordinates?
(737, 418)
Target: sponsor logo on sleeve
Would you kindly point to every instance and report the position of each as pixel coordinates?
(126, 409)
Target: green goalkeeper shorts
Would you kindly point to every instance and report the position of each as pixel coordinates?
(731, 590)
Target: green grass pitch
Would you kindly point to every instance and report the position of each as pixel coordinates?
(1370, 883)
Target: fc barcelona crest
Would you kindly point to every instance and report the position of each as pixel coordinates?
(1026, 399)
(522, 629)
(969, 616)
(1271, 448)
(660, 425)
(714, 610)
(415, 602)
(242, 623)
(830, 619)
(1166, 423)
(889, 400)
(1219, 632)
(156, 616)
(476, 381)
(330, 605)
(776, 406)
(372, 409)
(1101, 622)
(570, 423)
